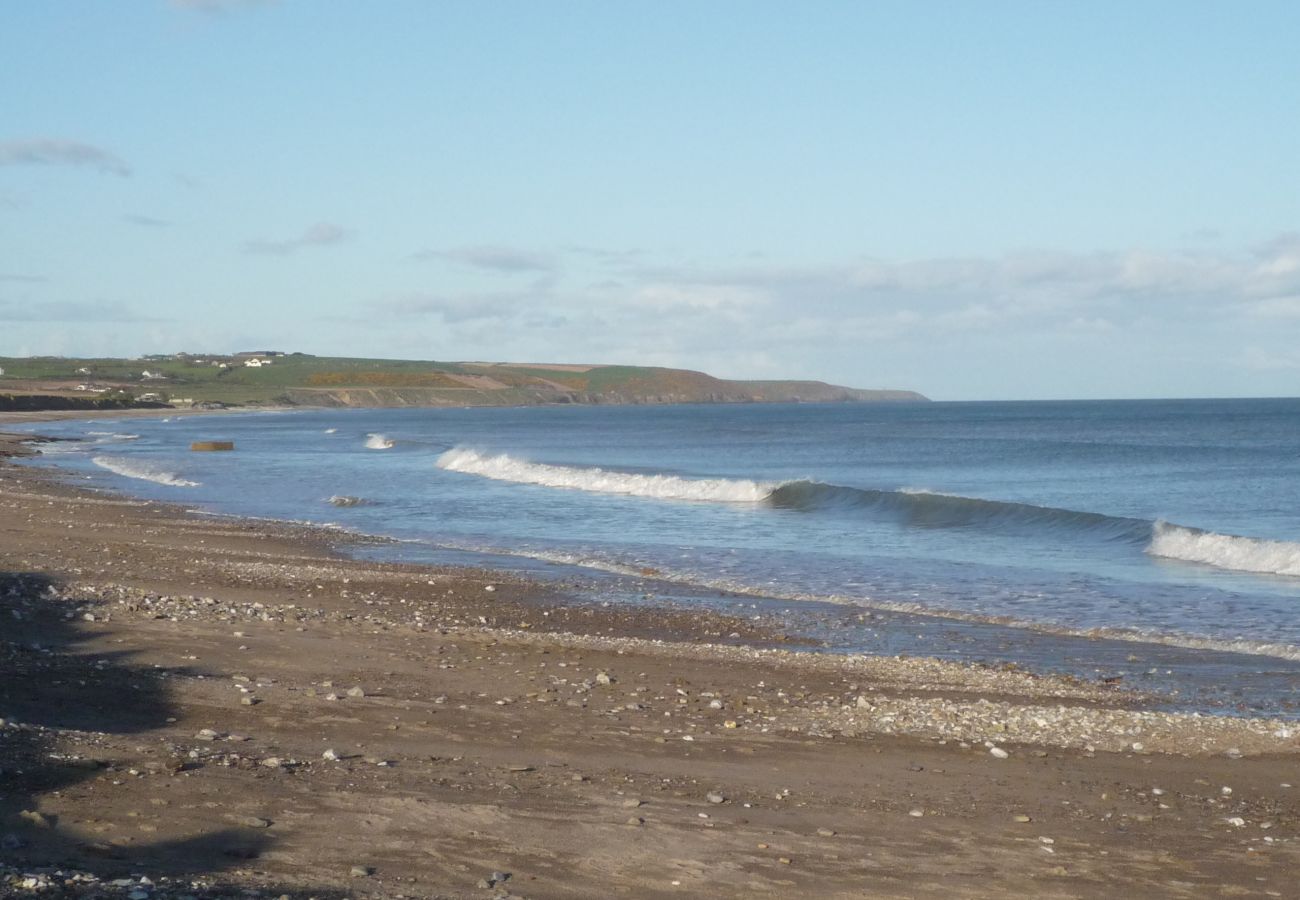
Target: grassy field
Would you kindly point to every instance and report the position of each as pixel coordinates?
(197, 378)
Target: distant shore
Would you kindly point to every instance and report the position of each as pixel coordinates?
(192, 717)
(274, 377)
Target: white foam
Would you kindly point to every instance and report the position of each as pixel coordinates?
(144, 471)
(330, 430)
(1225, 551)
(502, 467)
(62, 448)
(94, 440)
(378, 442)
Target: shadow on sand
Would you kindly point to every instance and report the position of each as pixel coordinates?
(56, 699)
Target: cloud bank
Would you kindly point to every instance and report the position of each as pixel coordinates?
(900, 321)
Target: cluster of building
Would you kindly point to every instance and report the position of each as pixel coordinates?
(253, 359)
(92, 383)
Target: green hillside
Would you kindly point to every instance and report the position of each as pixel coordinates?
(274, 378)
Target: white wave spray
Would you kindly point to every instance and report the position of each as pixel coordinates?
(378, 442)
(128, 468)
(1225, 551)
(502, 467)
(346, 500)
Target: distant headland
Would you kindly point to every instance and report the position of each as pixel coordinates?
(276, 378)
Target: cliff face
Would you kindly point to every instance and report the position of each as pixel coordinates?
(45, 401)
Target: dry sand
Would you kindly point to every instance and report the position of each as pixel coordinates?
(222, 706)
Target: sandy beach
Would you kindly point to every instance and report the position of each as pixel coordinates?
(207, 707)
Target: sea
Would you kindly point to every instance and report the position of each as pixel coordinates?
(1155, 544)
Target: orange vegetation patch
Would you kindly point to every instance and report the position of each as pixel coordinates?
(383, 379)
(482, 382)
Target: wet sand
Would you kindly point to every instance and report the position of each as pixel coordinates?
(222, 705)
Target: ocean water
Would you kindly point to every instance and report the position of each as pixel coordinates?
(1156, 539)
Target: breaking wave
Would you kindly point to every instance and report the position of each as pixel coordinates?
(144, 471)
(502, 467)
(912, 507)
(926, 509)
(1225, 551)
(378, 442)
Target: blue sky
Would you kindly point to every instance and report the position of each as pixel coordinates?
(974, 200)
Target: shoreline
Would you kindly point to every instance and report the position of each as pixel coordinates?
(1182, 672)
(494, 705)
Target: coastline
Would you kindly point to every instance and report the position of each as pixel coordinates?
(484, 710)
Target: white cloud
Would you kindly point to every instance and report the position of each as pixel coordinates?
(1131, 272)
(219, 6)
(1276, 308)
(57, 152)
(955, 293)
(677, 298)
(1277, 267)
(145, 221)
(322, 234)
(1261, 360)
(494, 259)
(1090, 325)
(452, 308)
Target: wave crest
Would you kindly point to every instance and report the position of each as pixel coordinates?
(1225, 551)
(378, 442)
(502, 467)
(929, 509)
(128, 468)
